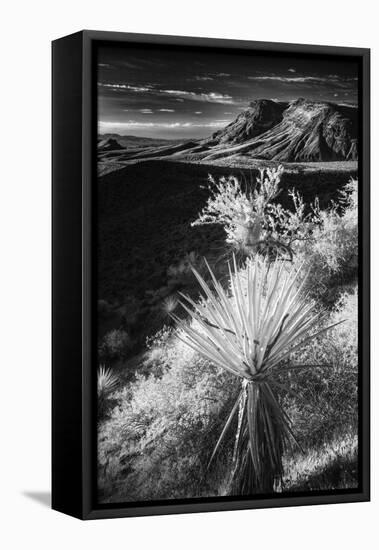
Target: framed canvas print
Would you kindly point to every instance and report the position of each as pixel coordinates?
(210, 275)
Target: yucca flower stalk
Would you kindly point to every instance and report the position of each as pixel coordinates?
(250, 331)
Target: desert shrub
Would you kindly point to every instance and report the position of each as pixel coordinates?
(158, 439)
(323, 401)
(160, 350)
(254, 220)
(114, 345)
(331, 255)
(252, 217)
(335, 240)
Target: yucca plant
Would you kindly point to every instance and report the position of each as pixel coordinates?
(252, 330)
(106, 382)
(168, 306)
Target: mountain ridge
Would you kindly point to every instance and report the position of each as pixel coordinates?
(301, 130)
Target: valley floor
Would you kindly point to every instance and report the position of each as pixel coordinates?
(107, 165)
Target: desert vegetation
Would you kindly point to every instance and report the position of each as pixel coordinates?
(235, 370)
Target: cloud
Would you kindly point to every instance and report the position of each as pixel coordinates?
(211, 97)
(104, 125)
(287, 78)
(337, 77)
(104, 65)
(146, 88)
(330, 79)
(347, 104)
(175, 92)
(291, 70)
(147, 111)
(211, 76)
(217, 98)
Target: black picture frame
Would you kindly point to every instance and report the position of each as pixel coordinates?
(73, 380)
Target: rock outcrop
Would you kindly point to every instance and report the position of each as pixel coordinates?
(299, 131)
(109, 144)
(260, 116)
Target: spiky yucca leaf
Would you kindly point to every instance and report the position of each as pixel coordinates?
(106, 381)
(250, 331)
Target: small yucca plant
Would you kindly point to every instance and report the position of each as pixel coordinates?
(250, 332)
(106, 382)
(168, 306)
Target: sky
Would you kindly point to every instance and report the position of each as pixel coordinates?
(182, 94)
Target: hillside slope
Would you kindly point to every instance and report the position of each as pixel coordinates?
(307, 131)
(260, 116)
(145, 211)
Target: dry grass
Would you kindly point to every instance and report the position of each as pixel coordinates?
(333, 465)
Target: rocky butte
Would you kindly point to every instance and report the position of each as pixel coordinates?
(297, 131)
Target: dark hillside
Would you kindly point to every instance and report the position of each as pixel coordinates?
(145, 211)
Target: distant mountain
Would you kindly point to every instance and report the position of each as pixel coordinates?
(108, 144)
(133, 141)
(298, 131)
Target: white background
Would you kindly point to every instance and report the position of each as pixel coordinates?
(27, 29)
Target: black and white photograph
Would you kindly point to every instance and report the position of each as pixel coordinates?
(227, 198)
(188, 315)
